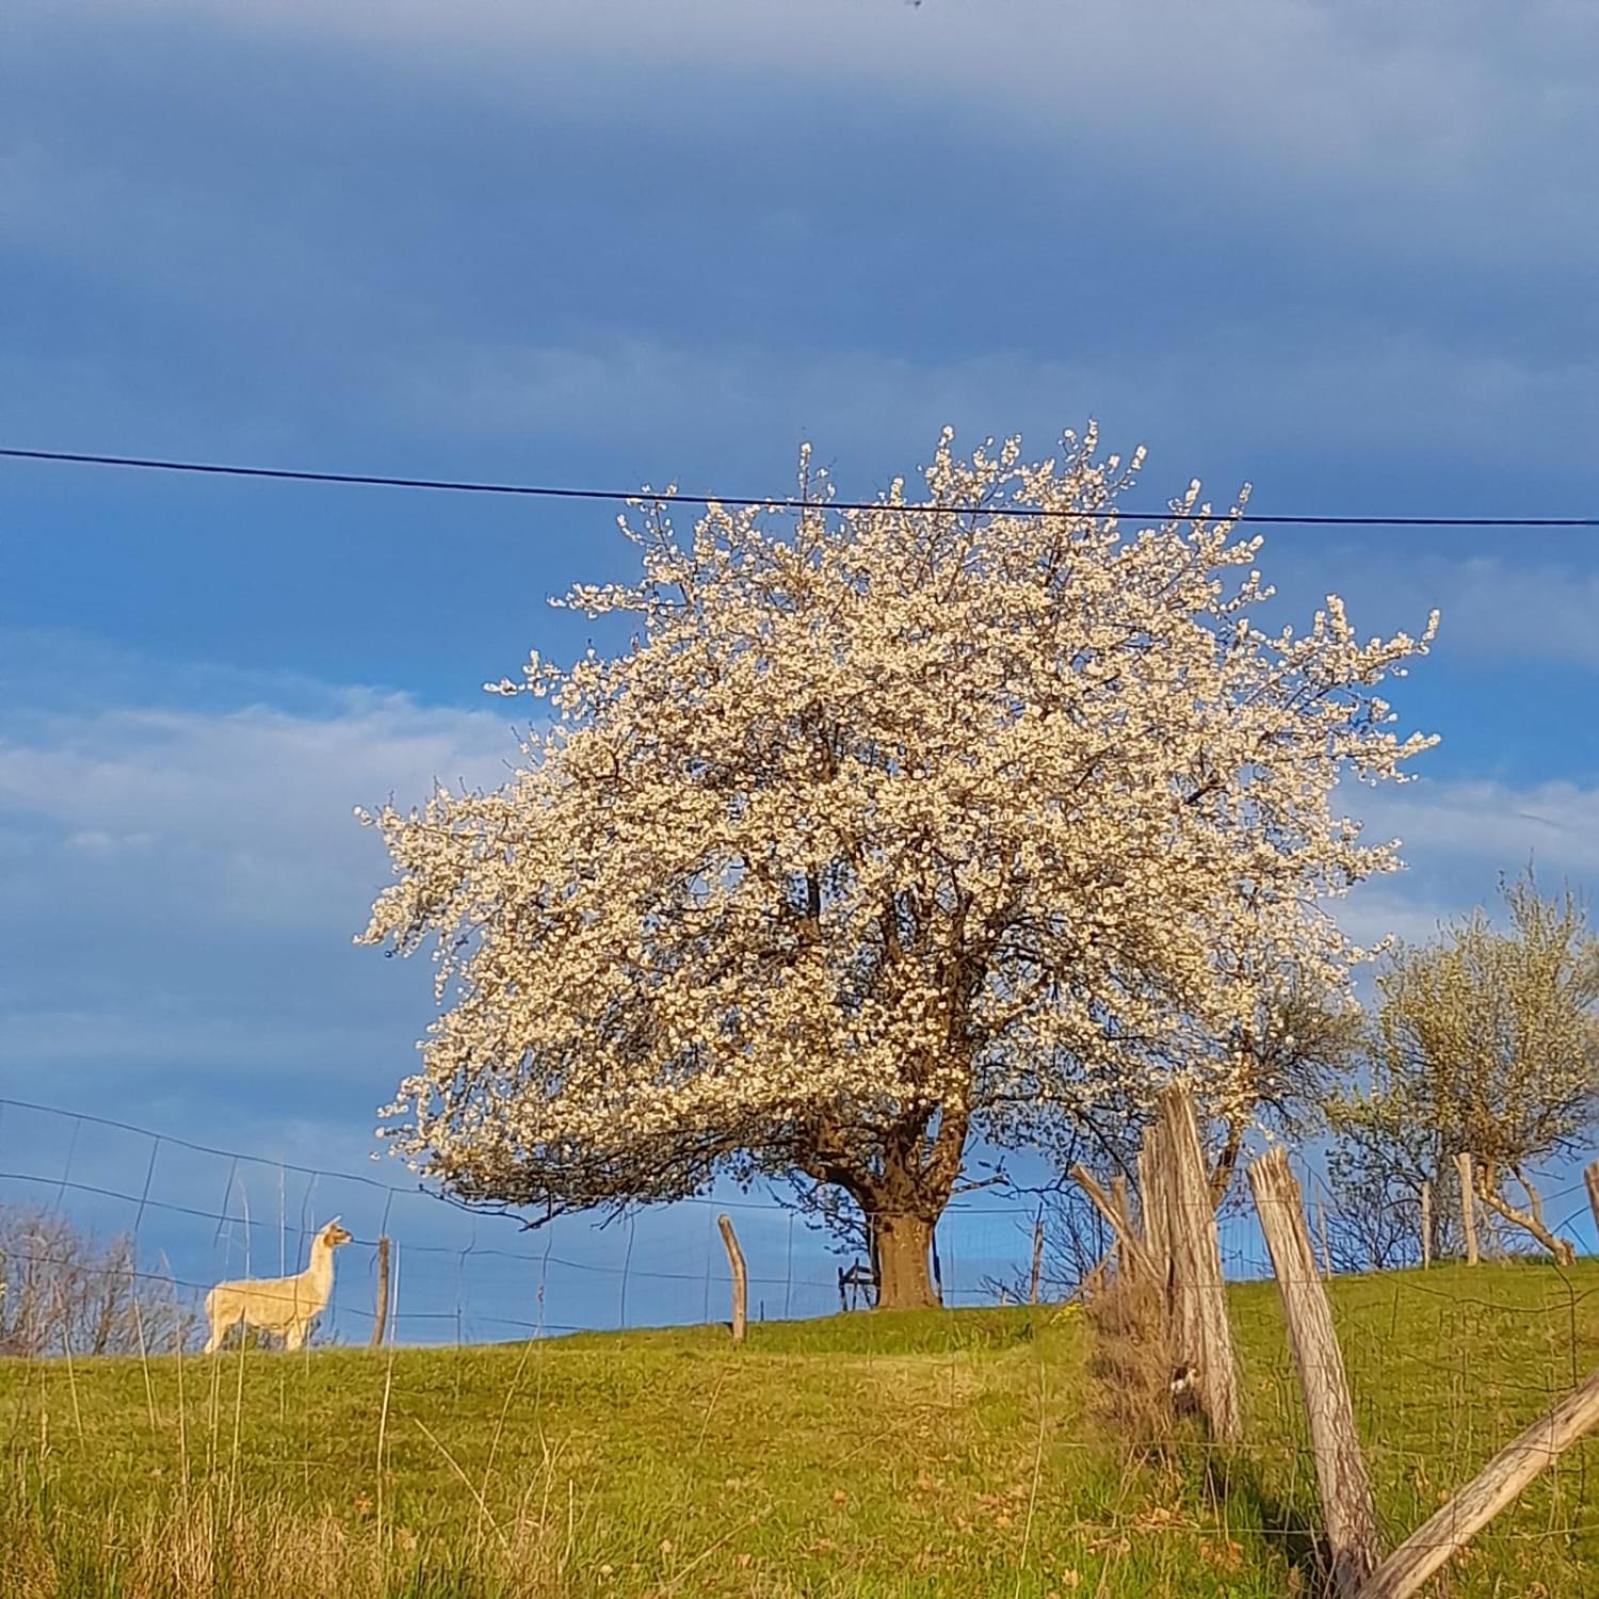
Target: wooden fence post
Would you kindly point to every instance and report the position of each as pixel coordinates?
(1437, 1540)
(1347, 1508)
(380, 1309)
(1590, 1175)
(1152, 1205)
(1198, 1294)
(735, 1260)
(1124, 1209)
(1038, 1259)
(1426, 1224)
(1468, 1206)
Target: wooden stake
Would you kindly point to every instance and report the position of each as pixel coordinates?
(1038, 1259)
(735, 1261)
(380, 1304)
(1468, 1206)
(1126, 1230)
(1426, 1224)
(1126, 1238)
(1152, 1205)
(1590, 1175)
(1347, 1508)
(1198, 1294)
(1431, 1545)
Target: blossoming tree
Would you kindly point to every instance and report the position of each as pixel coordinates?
(891, 830)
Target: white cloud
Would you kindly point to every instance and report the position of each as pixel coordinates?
(1545, 609)
(1457, 839)
(1541, 607)
(252, 806)
(1488, 827)
(183, 887)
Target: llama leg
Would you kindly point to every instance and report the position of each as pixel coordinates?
(219, 1331)
(294, 1337)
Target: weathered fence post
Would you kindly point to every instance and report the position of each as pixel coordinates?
(1590, 1175)
(1177, 1250)
(1118, 1197)
(380, 1306)
(1426, 1224)
(1038, 1259)
(1347, 1508)
(1468, 1206)
(1198, 1294)
(1152, 1205)
(1494, 1487)
(735, 1261)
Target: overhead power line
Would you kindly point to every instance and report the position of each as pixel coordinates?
(542, 491)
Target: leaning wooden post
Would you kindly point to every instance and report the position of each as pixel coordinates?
(1468, 1206)
(1198, 1293)
(1124, 1209)
(1038, 1259)
(380, 1309)
(1426, 1549)
(1347, 1508)
(1426, 1224)
(1590, 1175)
(735, 1261)
(1129, 1245)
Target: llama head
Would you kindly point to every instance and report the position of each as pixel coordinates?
(333, 1234)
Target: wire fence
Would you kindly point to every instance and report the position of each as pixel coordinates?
(197, 1214)
(194, 1214)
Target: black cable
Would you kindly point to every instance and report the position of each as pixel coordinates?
(776, 502)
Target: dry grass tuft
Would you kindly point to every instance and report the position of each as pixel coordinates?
(1140, 1389)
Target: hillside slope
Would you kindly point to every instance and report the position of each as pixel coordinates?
(959, 1453)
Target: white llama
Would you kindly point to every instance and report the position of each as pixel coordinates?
(286, 1305)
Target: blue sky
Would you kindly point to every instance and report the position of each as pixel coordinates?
(1344, 251)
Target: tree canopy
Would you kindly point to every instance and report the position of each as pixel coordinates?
(889, 830)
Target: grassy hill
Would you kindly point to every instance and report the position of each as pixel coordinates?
(957, 1453)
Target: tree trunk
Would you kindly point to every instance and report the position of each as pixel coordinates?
(903, 1279)
(1221, 1174)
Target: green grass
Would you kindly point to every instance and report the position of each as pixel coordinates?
(956, 1453)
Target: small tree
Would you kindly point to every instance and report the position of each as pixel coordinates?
(1486, 1043)
(892, 829)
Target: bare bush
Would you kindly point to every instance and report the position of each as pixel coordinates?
(61, 1290)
